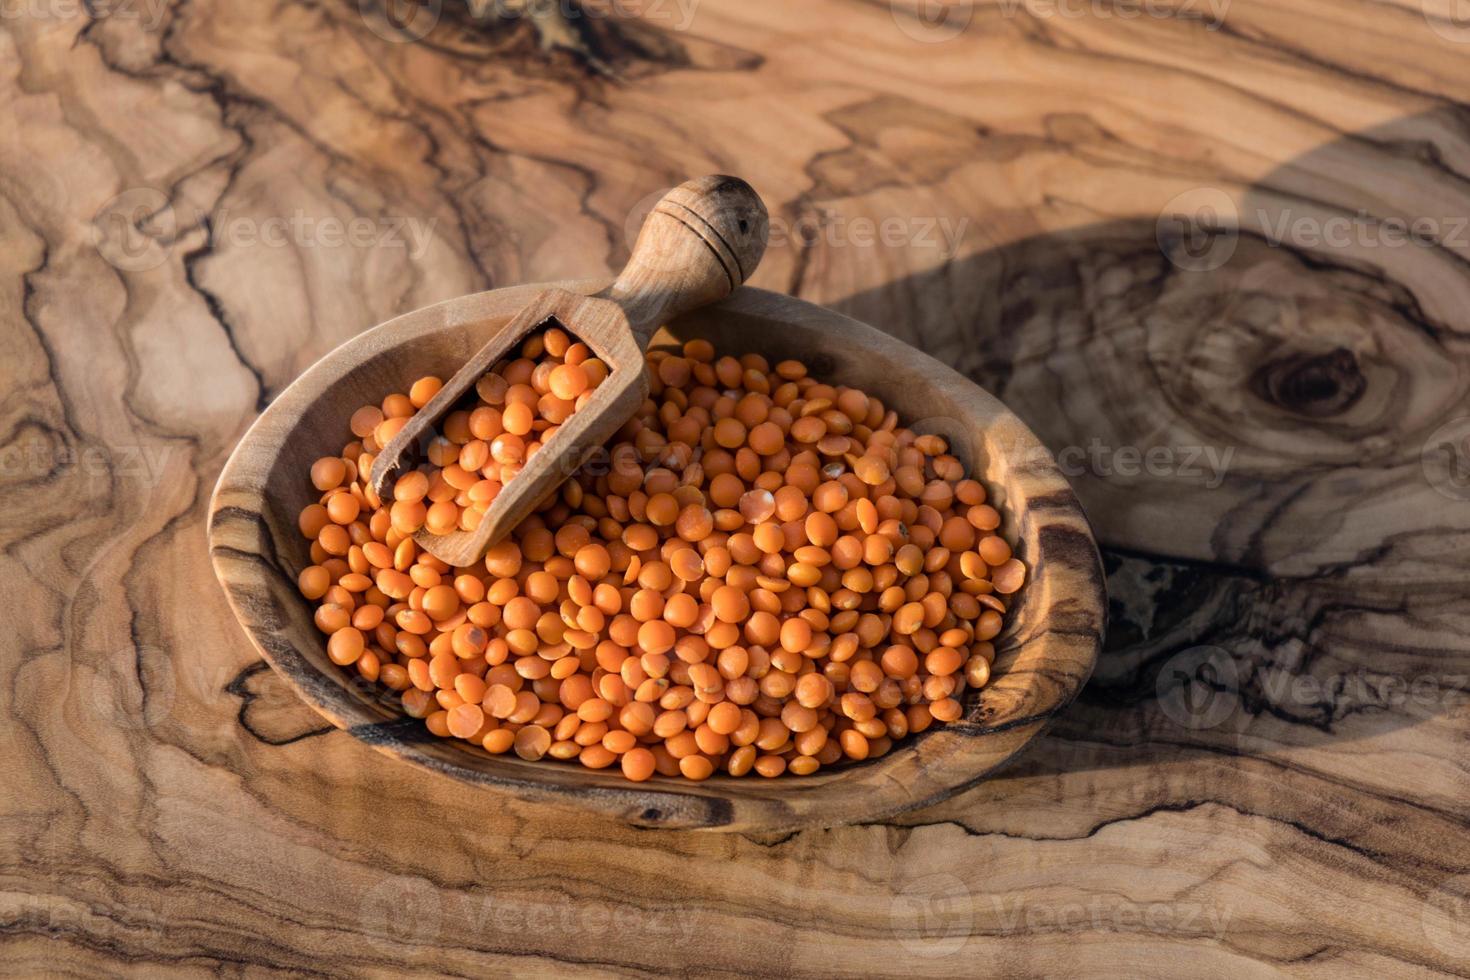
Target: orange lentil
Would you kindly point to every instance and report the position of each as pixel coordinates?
(946, 709)
(314, 581)
(328, 472)
(730, 604)
(532, 742)
(465, 720)
(638, 764)
(345, 646)
(424, 389)
(983, 517)
(993, 549)
(772, 576)
(1008, 576)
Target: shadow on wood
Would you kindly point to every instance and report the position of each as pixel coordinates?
(1260, 399)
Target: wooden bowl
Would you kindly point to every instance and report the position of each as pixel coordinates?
(1043, 657)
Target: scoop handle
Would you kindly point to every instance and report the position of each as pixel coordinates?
(700, 241)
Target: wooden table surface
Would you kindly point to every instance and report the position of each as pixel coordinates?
(1216, 253)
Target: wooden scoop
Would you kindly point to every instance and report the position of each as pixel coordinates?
(703, 239)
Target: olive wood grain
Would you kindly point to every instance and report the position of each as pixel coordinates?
(173, 808)
(1044, 655)
(701, 240)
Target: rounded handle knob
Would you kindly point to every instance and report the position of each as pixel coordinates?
(700, 241)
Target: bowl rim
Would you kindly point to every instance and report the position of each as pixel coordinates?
(244, 558)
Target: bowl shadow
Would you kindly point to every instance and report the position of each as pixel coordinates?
(1259, 398)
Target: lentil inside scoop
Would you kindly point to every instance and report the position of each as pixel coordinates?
(763, 573)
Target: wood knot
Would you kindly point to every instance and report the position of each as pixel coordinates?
(1314, 385)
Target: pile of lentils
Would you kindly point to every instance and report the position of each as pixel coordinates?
(763, 572)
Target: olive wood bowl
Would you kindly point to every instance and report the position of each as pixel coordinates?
(1044, 655)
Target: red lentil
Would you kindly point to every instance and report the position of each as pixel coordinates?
(770, 575)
